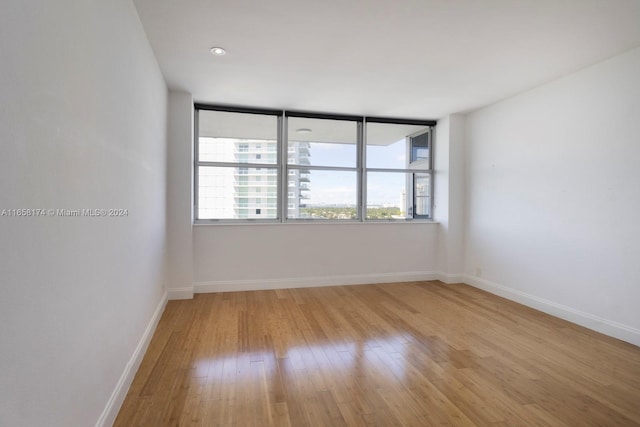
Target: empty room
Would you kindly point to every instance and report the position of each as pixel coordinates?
(319, 213)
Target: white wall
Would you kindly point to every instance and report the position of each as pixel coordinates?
(180, 195)
(553, 197)
(265, 256)
(449, 197)
(242, 257)
(82, 125)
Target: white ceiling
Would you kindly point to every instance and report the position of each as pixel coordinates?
(399, 58)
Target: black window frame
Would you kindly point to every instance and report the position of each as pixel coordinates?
(283, 168)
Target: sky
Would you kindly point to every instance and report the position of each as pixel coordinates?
(330, 187)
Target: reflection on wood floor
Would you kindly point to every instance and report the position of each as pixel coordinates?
(414, 354)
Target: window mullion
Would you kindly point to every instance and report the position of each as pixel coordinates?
(362, 176)
(282, 168)
(194, 168)
(399, 170)
(239, 165)
(322, 168)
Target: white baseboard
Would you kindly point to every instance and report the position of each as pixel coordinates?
(309, 282)
(110, 412)
(180, 293)
(590, 321)
(450, 278)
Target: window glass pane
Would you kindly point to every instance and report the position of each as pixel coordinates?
(322, 142)
(420, 147)
(422, 195)
(323, 194)
(388, 145)
(237, 137)
(398, 195)
(387, 195)
(237, 193)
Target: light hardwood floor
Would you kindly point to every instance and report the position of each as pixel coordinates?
(414, 354)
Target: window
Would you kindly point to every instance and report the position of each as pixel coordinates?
(225, 170)
(287, 166)
(323, 158)
(420, 147)
(398, 171)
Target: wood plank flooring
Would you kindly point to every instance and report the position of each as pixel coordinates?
(403, 354)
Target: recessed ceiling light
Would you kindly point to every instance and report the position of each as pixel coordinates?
(218, 51)
(303, 130)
